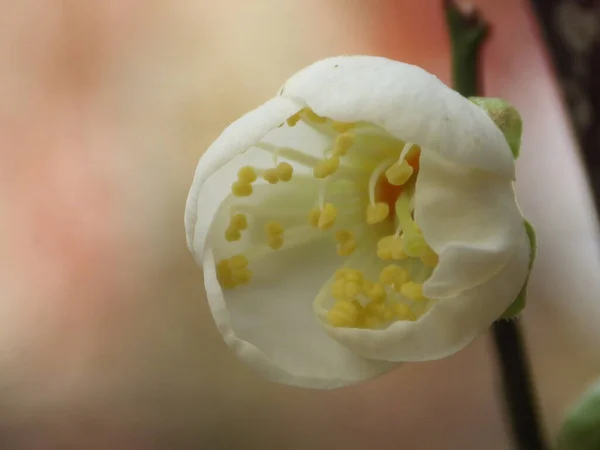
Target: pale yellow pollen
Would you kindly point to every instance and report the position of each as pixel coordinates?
(233, 272)
(377, 213)
(413, 291)
(342, 144)
(238, 262)
(376, 292)
(271, 176)
(430, 258)
(238, 222)
(346, 242)
(379, 311)
(326, 167)
(344, 313)
(241, 189)
(314, 117)
(403, 312)
(393, 276)
(342, 127)
(399, 173)
(391, 248)
(338, 289)
(247, 174)
(327, 217)
(284, 171)
(232, 234)
(274, 232)
(351, 288)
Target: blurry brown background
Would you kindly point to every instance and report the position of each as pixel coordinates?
(105, 338)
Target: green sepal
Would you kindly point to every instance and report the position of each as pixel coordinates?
(519, 304)
(581, 429)
(506, 117)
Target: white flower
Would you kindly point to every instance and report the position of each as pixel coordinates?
(363, 217)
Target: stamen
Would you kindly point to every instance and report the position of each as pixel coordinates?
(342, 127)
(391, 248)
(375, 177)
(233, 272)
(241, 189)
(288, 153)
(314, 117)
(342, 144)
(413, 291)
(403, 312)
(393, 276)
(346, 242)
(284, 171)
(270, 175)
(247, 174)
(274, 232)
(414, 243)
(326, 167)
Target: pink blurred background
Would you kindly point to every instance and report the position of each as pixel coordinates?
(105, 338)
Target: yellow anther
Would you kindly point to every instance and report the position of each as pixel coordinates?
(376, 292)
(342, 143)
(274, 229)
(284, 171)
(338, 290)
(377, 213)
(270, 175)
(341, 274)
(314, 117)
(399, 173)
(366, 286)
(327, 217)
(346, 242)
(393, 276)
(242, 276)
(237, 262)
(342, 127)
(413, 291)
(326, 167)
(390, 247)
(241, 189)
(379, 311)
(403, 312)
(344, 313)
(233, 272)
(238, 222)
(275, 242)
(430, 258)
(351, 289)
(313, 217)
(354, 275)
(293, 120)
(232, 234)
(247, 174)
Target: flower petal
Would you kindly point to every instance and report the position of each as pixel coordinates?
(235, 139)
(270, 325)
(451, 323)
(409, 103)
(470, 218)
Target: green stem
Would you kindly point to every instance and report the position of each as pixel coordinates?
(467, 34)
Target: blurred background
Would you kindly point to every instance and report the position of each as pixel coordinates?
(106, 341)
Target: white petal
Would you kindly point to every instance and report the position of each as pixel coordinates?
(270, 325)
(409, 103)
(470, 218)
(235, 139)
(450, 325)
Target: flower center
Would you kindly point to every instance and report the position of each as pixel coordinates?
(362, 187)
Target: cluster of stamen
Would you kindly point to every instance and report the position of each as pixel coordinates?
(390, 295)
(233, 272)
